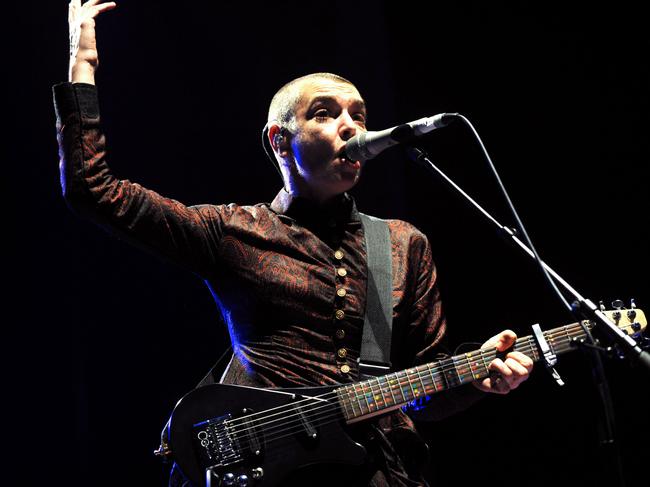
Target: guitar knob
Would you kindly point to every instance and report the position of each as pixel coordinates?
(242, 480)
(229, 479)
(618, 304)
(257, 473)
(211, 478)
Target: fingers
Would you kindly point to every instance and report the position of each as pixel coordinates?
(90, 9)
(502, 342)
(507, 375)
(505, 340)
(104, 7)
(523, 360)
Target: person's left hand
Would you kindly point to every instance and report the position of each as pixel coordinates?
(508, 374)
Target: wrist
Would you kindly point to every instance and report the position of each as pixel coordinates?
(81, 72)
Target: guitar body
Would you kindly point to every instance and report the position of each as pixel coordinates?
(258, 437)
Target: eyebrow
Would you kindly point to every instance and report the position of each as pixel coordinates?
(330, 99)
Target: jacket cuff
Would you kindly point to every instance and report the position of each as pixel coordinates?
(75, 98)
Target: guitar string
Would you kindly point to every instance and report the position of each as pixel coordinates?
(337, 413)
(332, 415)
(332, 409)
(489, 353)
(485, 354)
(288, 428)
(370, 389)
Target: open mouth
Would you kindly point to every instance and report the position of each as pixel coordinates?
(344, 158)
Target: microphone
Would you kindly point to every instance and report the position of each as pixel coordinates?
(368, 144)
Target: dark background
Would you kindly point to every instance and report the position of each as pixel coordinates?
(100, 340)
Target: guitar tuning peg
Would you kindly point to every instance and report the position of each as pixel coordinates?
(618, 304)
(632, 303)
(601, 305)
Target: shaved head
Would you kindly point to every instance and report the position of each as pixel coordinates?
(284, 102)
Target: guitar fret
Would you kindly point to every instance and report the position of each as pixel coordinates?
(410, 383)
(379, 396)
(469, 364)
(343, 402)
(399, 385)
(360, 396)
(486, 364)
(390, 388)
(475, 365)
(533, 349)
(382, 389)
(430, 376)
(422, 390)
(437, 376)
(367, 393)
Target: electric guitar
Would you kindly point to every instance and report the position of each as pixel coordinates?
(222, 435)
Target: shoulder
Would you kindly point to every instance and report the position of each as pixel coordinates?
(406, 239)
(406, 234)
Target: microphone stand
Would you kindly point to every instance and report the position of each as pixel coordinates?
(581, 306)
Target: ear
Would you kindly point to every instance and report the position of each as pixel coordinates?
(278, 139)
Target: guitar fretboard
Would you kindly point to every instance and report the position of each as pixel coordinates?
(394, 390)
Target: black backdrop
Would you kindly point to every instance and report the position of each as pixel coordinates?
(101, 339)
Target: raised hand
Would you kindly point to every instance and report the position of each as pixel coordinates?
(84, 58)
(507, 374)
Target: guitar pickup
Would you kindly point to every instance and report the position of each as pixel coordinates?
(304, 421)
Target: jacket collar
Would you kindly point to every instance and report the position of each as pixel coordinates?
(342, 210)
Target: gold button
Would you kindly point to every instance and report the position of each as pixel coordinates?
(340, 334)
(345, 368)
(341, 352)
(341, 272)
(340, 314)
(340, 292)
(338, 254)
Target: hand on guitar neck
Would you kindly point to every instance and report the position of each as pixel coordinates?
(508, 373)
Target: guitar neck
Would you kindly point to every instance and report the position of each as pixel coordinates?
(380, 394)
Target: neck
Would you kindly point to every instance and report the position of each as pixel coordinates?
(307, 192)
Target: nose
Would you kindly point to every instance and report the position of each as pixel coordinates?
(348, 127)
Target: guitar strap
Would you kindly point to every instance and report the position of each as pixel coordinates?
(374, 357)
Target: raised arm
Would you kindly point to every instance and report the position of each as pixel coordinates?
(84, 57)
(185, 235)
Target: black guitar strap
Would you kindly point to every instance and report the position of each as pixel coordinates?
(374, 357)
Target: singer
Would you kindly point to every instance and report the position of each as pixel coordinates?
(290, 276)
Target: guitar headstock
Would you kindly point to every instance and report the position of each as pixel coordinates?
(631, 320)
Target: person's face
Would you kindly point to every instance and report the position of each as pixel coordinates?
(327, 114)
